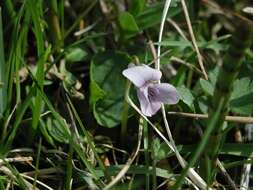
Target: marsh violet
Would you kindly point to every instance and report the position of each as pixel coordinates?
(150, 92)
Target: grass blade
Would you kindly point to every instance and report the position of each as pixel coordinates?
(3, 94)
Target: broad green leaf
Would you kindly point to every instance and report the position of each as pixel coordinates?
(44, 131)
(136, 6)
(57, 131)
(242, 94)
(242, 87)
(127, 25)
(213, 75)
(108, 86)
(203, 104)
(242, 97)
(186, 96)
(75, 54)
(96, 92)
(206, 86)
(162, 150)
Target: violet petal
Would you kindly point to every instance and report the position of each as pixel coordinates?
(140, 75)
(148, 107)
(164, 93)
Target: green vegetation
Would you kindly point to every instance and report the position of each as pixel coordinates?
(69, 119)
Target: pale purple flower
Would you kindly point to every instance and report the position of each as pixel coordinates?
(151, 94)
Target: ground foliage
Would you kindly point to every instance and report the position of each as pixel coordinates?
(64, 120)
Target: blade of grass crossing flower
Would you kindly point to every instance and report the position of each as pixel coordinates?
(241, 41)
(3, 87)
(201, 146)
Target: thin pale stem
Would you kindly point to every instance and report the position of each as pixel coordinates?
(165, 11)
(237, 119)
(188, 21)
(178, 29)
(191, 173)
(18, 159)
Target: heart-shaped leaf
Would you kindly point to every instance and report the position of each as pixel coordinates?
(108, 86)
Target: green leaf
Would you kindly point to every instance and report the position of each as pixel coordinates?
(75, 54)
(108, 86)
(186, 96)
(96, 92)
(162, 150)
(213, 75)
(242, 96)
(206, 86)
(127, 24)
(43, 129)
(136, 6)
(57, 131)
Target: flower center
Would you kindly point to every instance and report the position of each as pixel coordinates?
(152, 93)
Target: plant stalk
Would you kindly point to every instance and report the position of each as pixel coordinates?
(241, 41)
